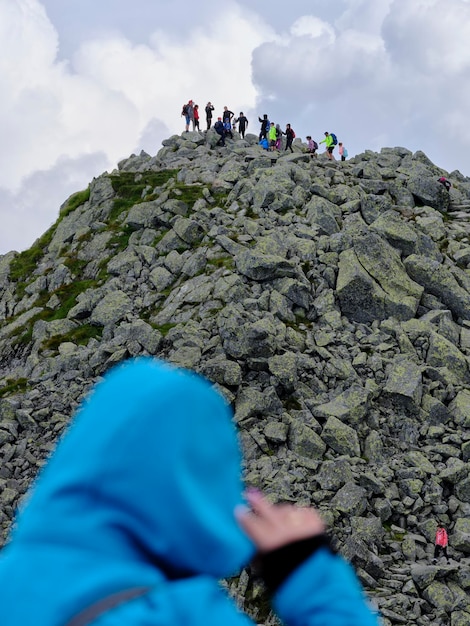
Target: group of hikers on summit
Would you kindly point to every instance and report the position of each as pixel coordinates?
(270, 135)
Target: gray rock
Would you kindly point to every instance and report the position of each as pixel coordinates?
(404, 386)
(324, 214)
(350, 406)
(341, 437)
(305, 442)
(460, 537)
(439, 595)
(334, 474)
(459, 408)
(263, 267)
(370, 287)
(114, 307)
(161, 278)
(190, 231)
(223, 371)
(427, 190)
(350, 499)
(439, 281)
(276, 431)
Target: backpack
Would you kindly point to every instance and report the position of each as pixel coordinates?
(315, 145)
(267, 125)
(335, 140)
(345, 153)
(185, 110)
(293, 133)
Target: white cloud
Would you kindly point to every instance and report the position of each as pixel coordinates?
(313, 27)
(430, 36)
(391, 72)
(112, 98)
(26, 214)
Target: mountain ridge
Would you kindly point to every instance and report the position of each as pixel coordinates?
(329, 301)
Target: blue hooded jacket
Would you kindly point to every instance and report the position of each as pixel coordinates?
(141, 492)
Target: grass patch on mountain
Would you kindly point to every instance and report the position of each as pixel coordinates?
(164, 329)
(80, 336)
(67, 295)
(23, 266)
(225, 261)
(76, 200)
(188, 194)
(220, 198)
(13, 386)
(130, 186)
(120, 240)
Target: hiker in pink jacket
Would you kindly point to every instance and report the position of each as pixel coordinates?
(441, 542)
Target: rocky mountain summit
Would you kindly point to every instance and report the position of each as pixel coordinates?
(329, 301)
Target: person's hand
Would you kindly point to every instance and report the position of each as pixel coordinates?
(272, 526)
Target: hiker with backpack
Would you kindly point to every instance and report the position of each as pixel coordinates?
(209, 109)
(219, 128)
(188, 113)
(290, 136)
(343, 153)
(445, 182)
(312, 146)
(265, 126)
(330, 141)
(140, 512)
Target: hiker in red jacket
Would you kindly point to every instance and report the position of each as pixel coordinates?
(441, 542)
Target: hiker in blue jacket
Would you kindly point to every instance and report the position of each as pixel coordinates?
(140, 511)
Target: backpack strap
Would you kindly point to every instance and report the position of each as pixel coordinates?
(89, 614)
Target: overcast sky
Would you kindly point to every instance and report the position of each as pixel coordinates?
(86, 83)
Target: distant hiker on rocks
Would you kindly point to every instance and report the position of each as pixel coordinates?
(209, 109)
(441, 543)
(312, 146)
(242, 122)
(330, 142)
(188, 114)
(196, 117)
(272, 137)
(227, 115)
(228, 128)
(278, 137)
(290, 136)
(445, 182)
(343, 153)
(265, 126)
(220, 130)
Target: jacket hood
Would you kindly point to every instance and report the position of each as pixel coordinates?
(149, 470)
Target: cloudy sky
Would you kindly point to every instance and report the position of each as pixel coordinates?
(86, 83)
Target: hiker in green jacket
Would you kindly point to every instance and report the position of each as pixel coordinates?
(330, 146)
(272, 136)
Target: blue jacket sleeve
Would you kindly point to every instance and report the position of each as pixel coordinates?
(198, 601)
(323, 591)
